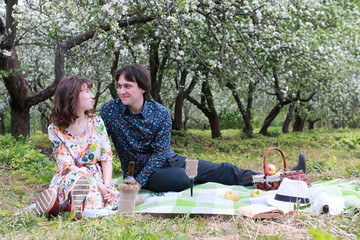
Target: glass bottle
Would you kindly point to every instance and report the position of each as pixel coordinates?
(130, 180)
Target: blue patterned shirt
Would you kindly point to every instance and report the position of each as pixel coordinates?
(142, 137)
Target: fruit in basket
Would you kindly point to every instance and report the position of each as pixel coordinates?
(256, 193)
(231, 195)
(270, 169)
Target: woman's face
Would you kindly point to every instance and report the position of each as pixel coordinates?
(86, 99)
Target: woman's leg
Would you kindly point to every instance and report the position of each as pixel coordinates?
(74, 189)
(79, 193)
(46, 203)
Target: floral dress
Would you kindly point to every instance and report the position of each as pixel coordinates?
(85, 151)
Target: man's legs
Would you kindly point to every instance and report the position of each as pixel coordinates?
(168, 179)
(174, 178)
(224, 173)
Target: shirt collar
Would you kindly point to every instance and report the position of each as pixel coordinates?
(146, 109)
(144, 113)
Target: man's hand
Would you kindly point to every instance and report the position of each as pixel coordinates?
(138, 185)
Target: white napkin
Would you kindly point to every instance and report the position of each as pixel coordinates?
(322, 201)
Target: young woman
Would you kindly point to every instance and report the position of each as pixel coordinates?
(83, 153)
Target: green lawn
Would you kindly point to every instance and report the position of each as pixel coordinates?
(24, 172)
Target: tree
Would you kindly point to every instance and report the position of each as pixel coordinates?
(266, 53)
(14, 80)
(286, 124)
(207, 106)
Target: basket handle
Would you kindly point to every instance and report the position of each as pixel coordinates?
(282, 154)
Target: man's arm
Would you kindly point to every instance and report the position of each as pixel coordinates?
(160, 149)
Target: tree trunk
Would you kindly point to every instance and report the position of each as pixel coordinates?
(248, 130)
(44, 109)
(213, 117)
(14, 81)
(246, 114)
(214, 125)
(186, 116)
(154, 68)
(20, 121)
(207, 106)
(179, 101)
(286, 124)
(114, 66)
(2, 123)
(299, 123)
(312, 123)
(44, 123)
(157, 67)
(283, 101)
(270, 118)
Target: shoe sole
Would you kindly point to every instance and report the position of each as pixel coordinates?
(79, 193)
(45, 201)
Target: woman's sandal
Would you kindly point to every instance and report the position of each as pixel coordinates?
(79, 193)
(46, 202)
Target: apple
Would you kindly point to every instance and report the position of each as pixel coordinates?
(270, 169)
(231, 195)
(256, 193)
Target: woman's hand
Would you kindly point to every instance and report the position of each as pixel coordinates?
(108, 194)
(112, 194)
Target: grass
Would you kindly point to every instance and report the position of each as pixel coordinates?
(330, 154)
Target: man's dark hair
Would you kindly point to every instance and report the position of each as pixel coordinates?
(136, 73)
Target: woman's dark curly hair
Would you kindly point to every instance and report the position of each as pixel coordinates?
(66, 103)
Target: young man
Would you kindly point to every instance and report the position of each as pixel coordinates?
(141, 129)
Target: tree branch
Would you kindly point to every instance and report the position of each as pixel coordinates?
(70, 43)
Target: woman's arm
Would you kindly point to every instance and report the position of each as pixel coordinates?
(107, 172)
(106, 154)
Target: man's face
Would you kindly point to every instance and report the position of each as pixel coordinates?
(130, 93)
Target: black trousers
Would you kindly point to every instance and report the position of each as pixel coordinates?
(174, 178)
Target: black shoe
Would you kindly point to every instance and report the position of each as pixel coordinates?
(301, 165)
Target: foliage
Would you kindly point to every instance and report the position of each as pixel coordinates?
(21, 157)
(307, 45)
(230, 120)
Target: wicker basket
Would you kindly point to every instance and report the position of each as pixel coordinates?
(272, 182)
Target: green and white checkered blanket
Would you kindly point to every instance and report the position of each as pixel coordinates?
(209, 198)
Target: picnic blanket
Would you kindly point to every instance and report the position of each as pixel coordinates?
(339, 195)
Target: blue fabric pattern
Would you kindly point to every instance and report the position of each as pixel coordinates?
(142, 137)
